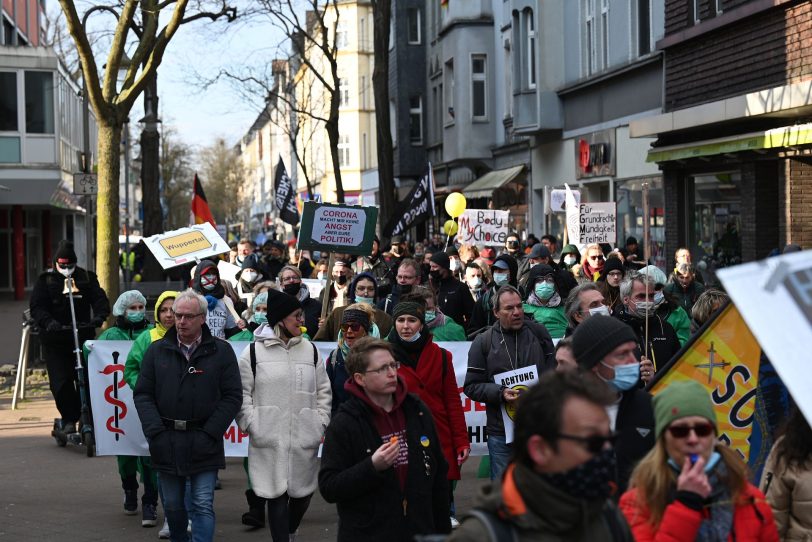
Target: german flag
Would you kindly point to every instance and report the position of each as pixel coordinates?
(200, 205)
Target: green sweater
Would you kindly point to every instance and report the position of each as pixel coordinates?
(118, 334)
(681, 323)
(450, 331)
(550, 317)
(132, 368)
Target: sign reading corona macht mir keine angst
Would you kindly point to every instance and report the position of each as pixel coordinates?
(334, 227)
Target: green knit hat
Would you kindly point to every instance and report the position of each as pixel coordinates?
(680, 400)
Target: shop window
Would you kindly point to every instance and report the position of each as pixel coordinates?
(39, 102)
(717, 218)
(629, 197)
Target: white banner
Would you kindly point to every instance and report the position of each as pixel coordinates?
(597, 223)
(118, 429)
(184, 245)
(520, 380)
(483, 227)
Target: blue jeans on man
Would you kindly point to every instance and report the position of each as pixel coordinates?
(202, 505)
(500, 453)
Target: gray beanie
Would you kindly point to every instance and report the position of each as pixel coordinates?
(596, 336)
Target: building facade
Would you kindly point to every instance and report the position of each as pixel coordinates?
(734, 142)
(40, 143)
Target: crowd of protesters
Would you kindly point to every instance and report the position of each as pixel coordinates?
(378, 428)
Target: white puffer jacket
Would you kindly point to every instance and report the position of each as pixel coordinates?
(285, 410)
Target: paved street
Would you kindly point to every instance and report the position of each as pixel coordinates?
(59, 494)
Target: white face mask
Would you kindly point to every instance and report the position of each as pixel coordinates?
(249, 276)
(67, 271)
(603, 309)
(475, 283)
(569, 260)
(322, 275)
(454, 264)
(500, 278)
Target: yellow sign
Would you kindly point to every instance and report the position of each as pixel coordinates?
(185, 243)
(725, 359)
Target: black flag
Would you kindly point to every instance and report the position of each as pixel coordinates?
(285, 196)
(417, 207)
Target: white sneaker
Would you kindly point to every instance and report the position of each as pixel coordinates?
(454, 522)
(163, 534)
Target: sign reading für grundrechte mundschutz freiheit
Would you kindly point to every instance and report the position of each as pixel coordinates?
(333, 227)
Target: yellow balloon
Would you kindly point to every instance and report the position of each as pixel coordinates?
(450, 227)
(455, 204)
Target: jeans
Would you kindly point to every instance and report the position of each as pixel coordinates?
(202, 509)
(500, 453)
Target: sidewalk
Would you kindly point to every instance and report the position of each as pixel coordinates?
(59, 494)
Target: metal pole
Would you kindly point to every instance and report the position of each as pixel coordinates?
(87, 169)
(126, 205)
(646, 253)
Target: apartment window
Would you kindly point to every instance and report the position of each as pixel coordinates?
(393, 121)
(364, 151)
(448, 77)
(344, 151)
(718, 6)
(343, 92)
(8, 32)
(362, 35)
(643, 27)
(416, 120)
(605, 33)
(39, 102)
(342, 37)
(531, 49)
(479, 87)
(363, 92)
(414, 27)
(695, 11)
(8, 102)
(590, 37)
(392, 34)
(259, 145)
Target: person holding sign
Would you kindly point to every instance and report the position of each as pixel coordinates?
(691, 487)
(382, 462)
(511, 343)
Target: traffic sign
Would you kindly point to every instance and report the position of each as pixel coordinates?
(85, 184)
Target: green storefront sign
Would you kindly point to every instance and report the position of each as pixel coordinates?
(334, 227)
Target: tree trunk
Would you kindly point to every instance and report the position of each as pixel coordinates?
(107, 208)
(332, 133)
(151, 199)
(382, 11)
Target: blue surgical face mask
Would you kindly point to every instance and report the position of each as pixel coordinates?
(135, 316)
(659, 297)
(430, 316)
(412, 339)
(367, 300)
(626, 376)
(500, 278)
(545, 290)
(260, 318)
(713, 460)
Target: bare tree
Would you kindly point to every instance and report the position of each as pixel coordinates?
(222, 175)
(138, 25)
(176, 175)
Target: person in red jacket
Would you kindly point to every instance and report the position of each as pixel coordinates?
(692, 487)
(428, 372)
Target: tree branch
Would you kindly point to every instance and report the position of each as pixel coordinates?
(90, 75)
(117, 49)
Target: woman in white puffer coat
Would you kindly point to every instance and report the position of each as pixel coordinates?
(285, 410)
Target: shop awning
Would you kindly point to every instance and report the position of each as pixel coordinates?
(786, 136)
(485, 185)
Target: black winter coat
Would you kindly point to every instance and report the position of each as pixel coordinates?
(48, 303)
(455, 301)
(371, 506)
(635, 429)
(663, 341)
(210, 397)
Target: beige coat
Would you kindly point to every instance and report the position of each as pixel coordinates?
(790, 496)
(285, 412)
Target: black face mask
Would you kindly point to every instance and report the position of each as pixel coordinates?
(436, 276)
(405, 288)
(593, 480)
(513, 245)
(292, 289)
(342, 280)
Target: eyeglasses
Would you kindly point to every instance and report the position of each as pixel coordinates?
(394, 366)
(548, 279)
(615, 274)
(681, 431)
(593, 443)
(354, 326)
(290, 279)
(181, 316)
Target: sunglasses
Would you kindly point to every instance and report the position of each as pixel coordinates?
(681, 431)
(593, 443)
(354, 326)
(596, 258)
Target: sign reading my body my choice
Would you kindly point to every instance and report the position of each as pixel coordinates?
(334, 227)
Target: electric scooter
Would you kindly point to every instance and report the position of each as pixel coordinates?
(84, 436)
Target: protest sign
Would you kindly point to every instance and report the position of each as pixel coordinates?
(597, 223)
(520, 380)
(483, 227)
(118, 429)
(558, 200)
(333, 227)
(185, 245)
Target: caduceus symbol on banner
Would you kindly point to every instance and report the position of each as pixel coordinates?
(111, 396)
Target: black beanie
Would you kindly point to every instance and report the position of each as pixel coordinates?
(612, 264)
(412, 309)
(358, 316)
(442, 259)
(65, 253)
(596, 336)
(280, 305)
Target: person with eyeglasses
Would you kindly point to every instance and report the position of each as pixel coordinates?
(187, 394)
(607, 348)
(592, 264)
(285, 409)
(428, 371)
(613, 273)
(362, 289)
(558, 484)
(407, 276)
(691, 486)
(357, 320)
(382, 462)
